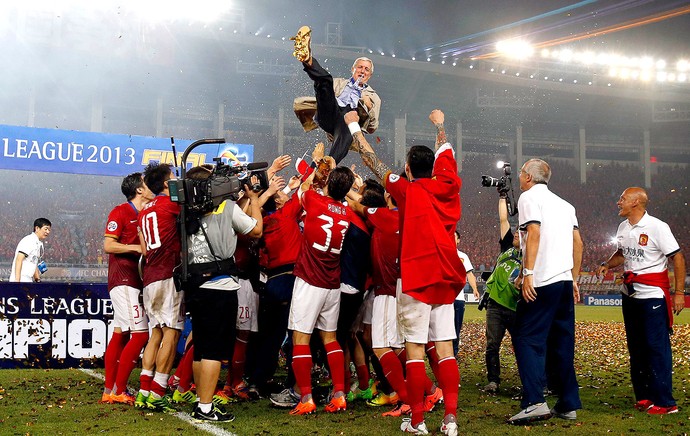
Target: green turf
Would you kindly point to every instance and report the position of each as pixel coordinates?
(42, 402)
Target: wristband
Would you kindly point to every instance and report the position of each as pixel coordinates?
(354, 127)
(286, 190)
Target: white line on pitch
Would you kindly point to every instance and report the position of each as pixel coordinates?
(207, 427)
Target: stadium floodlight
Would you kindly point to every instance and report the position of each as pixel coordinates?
(545, 52)
(515, 48)
(645, 76)
(661, 76)
(682, 65)
(565, 55)
(682, 77)
(624, 73)
(500, 164)
(613, 72)
(671, 77)
(646, 63)
(660, 64)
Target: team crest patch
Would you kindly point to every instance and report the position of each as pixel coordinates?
(393, 178)
(112, 226)
(643, 240)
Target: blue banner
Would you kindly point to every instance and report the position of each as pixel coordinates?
(603, 300)
(45, 325)
(71, 151)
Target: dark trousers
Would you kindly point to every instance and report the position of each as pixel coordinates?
(274, 311)
(649, 344)
(498, 320)
(459, 306)
(547, 322)
(329, 113)
(349, 308)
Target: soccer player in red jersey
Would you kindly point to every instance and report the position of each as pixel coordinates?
(429, 204)
(316, 294)
(164, 305)
(130, 324)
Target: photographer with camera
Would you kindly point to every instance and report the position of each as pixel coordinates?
(211, 286)
(501, 295)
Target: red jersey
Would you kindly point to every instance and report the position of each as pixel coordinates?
(325, 224)
(429, 213)
(122, 226)
(385, 248)
(245, 255)
(282, 235)
(158, 223)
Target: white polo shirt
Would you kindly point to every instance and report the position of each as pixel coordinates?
(557, 221)
(646, 247)
(468, 268)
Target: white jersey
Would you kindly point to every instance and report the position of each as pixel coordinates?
(32, 247)
(468, 268)
(646, 247)
(557, 221)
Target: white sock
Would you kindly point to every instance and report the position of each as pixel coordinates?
(205, 407)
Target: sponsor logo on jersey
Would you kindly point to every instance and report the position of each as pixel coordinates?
(643, 240)
(393, 178)
(112, 226)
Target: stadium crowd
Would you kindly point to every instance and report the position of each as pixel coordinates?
(77, 211)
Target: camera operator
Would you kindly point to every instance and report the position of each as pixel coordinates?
(211, 288)
(501, 295)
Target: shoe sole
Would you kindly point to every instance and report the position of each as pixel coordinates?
(283, 405)
(529, 419)
(303, 413)
(202, 420)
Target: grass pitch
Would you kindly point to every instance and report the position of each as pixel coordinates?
(56, 402)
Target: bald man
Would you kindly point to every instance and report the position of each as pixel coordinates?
(645, 245)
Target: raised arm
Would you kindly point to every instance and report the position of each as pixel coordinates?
(363, 148)
(437, 118)
(503, 223)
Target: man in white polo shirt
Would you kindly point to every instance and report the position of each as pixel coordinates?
(645, 244)
(552, 254)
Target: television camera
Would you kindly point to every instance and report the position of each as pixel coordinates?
(198, 197)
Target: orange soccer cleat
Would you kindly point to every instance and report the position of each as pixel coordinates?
(304, 408)
(336, 405)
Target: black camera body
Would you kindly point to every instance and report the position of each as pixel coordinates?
(225, 182)
(503, 184)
